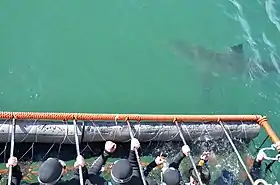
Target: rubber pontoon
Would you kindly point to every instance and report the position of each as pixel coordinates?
(59, 128)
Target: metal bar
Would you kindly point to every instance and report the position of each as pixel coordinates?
(190, 156)
(12, 131)
(78, 152)
(137, 155)
(237, 153)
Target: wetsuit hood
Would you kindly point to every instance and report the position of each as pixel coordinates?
(171, 176)
(50, 172)
(121, 172)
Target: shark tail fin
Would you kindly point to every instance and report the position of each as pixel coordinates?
(237, 49)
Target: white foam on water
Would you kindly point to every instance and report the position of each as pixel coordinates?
(272, 52)
(272, 13)
(253, 65)
(267, 41)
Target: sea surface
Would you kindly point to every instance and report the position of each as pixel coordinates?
(120, 57)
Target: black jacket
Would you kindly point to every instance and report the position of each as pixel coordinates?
(94, 177)
(136, 175)
(90, 176)
(175, 163)
(147, 170)
(17, 177)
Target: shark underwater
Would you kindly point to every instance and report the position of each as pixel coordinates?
(230, 65)
(232, 62)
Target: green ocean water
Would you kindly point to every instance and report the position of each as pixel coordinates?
(117, 57)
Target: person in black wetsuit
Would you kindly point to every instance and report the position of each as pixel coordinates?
(95, 169)
(126, 171)
(16, 172)
(203, 171)
(159, 160)
(228, 178)
(171, 174)
(50, 172)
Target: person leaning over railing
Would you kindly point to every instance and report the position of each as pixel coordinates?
(203, 171)
(95, 169)
(16, 171)
(127, 171)
(159, 160)
(171, 174)
(50, 172)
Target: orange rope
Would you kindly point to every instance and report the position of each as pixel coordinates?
(123, 117)
(140, 117)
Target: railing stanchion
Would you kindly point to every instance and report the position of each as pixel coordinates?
(190, 156)
(78, 151)
(12, 131)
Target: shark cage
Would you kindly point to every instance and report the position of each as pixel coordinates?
(33, 137)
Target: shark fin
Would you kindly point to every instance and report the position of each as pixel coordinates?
(237, 49)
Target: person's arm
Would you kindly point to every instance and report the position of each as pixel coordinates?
(98, 163)
(80, 161)
(16, 175)
(134, 145)
(96, 166)
(76, 174)
(255, 170)
(203, 159)
(150, 167)
(133, 161)
(177, 160)
(158, 161)
(180, 156)
(16, 171)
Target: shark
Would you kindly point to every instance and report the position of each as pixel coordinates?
(231, 62)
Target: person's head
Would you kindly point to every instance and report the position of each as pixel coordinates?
(170, 176)
(51, 171)
(226, 178)
(203, 173)
(121, 172)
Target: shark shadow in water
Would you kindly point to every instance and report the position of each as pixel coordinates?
(210, 64)
(231, 62)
